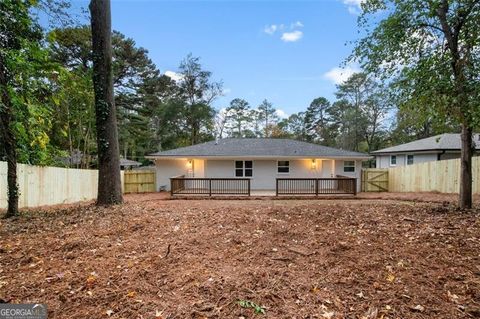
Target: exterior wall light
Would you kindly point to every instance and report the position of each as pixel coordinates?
(314, 164)
(189, 164)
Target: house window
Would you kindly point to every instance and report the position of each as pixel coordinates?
(283, 167)
(409, 159)
(349, 166)
(393, 160)
(243, 168)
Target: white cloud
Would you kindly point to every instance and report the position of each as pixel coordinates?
(281, 114)
(354, 6)
(357, 3)
(174, 75)
(297, 24)
(292, 36)
(270, 29)
(226, 91)
(339, 75)
(353, 10)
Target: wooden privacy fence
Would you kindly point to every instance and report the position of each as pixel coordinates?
(44, 185)
(375, 180)
(41, 186)
(439, 176)
(137, 181)
(181, 185)
(316, 186)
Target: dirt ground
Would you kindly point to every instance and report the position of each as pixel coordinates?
(156, 258)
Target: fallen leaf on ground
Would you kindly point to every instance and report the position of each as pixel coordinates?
(418, 308)
(390, 278)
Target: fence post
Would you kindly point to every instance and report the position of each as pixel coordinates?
(210, 187)
(362, 180)
(316, 186)
(276, 188)
(354, 186)
(171, 186)
(249, 186)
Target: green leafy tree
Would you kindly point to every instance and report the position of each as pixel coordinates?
(138, 86)
(198, 91)
(293, 127)
(345, 125)
(73, 124)
(239, 116)
(25, 90)
(317, 121)
(268, 115)
(430, 53)
(354, 94)
(410, 126)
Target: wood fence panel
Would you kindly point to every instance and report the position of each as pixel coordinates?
(40, 186)
(438, 176)
(137, 181)
(43, 185)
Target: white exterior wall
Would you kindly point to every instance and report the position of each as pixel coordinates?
(264, 171)
(383, 161)
(357, 174)
(169, 168)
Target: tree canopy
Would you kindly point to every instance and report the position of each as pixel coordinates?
(429, 52)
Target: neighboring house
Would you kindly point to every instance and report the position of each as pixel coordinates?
(128, 164)
(79, 160)
(260, 159)
(434, 148)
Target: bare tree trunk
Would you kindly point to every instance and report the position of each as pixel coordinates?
(458, 65)
(109, 182)
(9, 142)
(465, 199)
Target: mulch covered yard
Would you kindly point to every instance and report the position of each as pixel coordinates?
(153, 258)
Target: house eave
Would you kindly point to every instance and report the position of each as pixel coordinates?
(257, 157)
(427, 151)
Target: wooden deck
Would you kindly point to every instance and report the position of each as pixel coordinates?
(182, 186)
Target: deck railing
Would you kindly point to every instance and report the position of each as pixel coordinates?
(316, 186)
(181, 185)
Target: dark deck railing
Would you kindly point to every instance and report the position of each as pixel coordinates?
(181, 185)
(316, 186)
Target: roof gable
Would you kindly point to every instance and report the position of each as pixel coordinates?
(258, 147)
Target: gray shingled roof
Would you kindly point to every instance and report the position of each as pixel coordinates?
(440, 142)
(258, 147)
(127, 162)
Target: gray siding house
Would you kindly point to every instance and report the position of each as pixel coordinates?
(435, 148)
(262, 160)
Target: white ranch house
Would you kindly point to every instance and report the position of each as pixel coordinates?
(260, 160)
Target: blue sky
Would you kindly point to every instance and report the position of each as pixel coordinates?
(287, 52)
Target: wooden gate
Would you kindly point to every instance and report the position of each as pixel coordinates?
(139, 181)
(374, 180)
